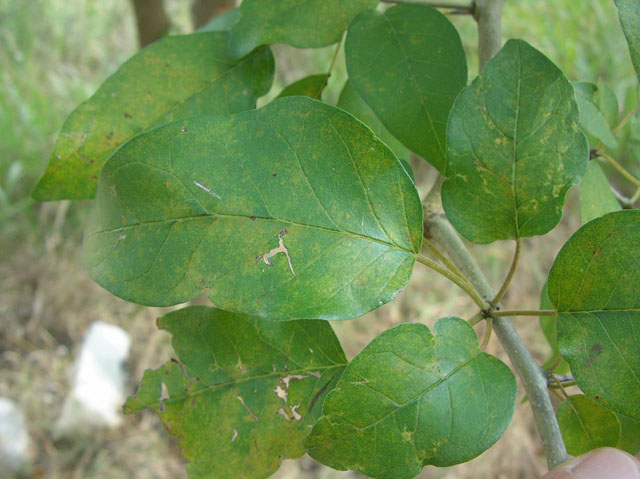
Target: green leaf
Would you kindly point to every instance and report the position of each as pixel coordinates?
(352, 102)
(596, 197)
(174, 78)
(629, 435)
(408, 65)
(410, 399)
(548, 326)
(245, 390)
(299, 23)
(629, 13)
(211, 203)
(311, 86)
(514, 148)
(594, 286)
(607, 103)
(592, 120)
(223, 22)
(586, 425)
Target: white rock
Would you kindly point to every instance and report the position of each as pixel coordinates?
(98, 386)
(15, 443)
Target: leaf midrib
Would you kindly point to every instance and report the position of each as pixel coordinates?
(253, 217)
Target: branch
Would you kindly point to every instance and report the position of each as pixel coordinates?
(457, 7)
(542, 312)
(488, 15)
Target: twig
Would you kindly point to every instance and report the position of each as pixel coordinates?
(623, 171)
(512, 270)
(463, 284)
(542, 312)
(457, 7)
(625, 120)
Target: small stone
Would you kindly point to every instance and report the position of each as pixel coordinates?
(15, 443)
(98, 386)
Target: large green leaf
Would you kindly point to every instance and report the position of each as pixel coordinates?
(211, 203)
(410, 399)
(222, 22)
(408, 64)
(595, 287)
(177, 77)
(629, 13)
(311, 86)
(592, 120)
(596, 197)
(586, 425)
(244, 391)
(514, 148)
(299, 23)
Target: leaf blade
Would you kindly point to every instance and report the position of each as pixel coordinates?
(629, 19)
(514, 148)
(245, 390)
(227, 197)
(586, 425)
(299, 23)
(409, 399)
(593, 286)
(174, 78)
(409, 84)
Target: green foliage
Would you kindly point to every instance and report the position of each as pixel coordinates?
(514, 148)
(628, 10)
(410, 399)
(301, 211)
(596, 197)
(592, 119)
(586, 425)
(299, 23)
(175, 78)
(593, 285)
(297, 185)
(310, 86)
(409, 83)
(244, 387)
(352, 102)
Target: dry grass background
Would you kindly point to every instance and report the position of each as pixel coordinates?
(48, 301)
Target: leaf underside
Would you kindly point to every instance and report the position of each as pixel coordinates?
(586, 425)
(408, 65)
(245, 390)
(174, 78)
(299, 23)
(596, 197)
(311, 86)
(594, 286)
(410, 399)
(292, 211)
(514, 148)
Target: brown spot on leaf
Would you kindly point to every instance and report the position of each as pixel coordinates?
(127, 115)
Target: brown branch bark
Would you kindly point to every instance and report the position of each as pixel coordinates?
(151, 19)
(203, 11)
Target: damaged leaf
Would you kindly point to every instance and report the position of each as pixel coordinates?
(174, 78)
(408, 65)
(514, 148)
(299, 23)
(594, 286)
(292, 211)
(411, 399)
(244, 390)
